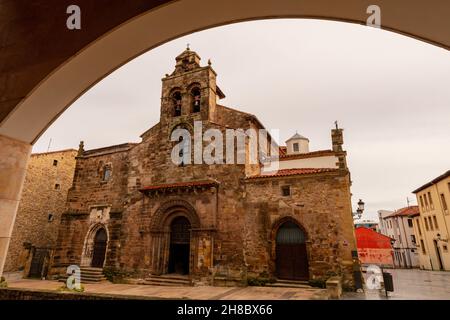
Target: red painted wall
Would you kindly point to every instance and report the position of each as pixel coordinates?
(373, 247)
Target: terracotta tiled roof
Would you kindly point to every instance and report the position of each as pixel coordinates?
(292, 172)
(203, 183)
(407, 211)
(282, 151)
(367, 238)
(319, 153)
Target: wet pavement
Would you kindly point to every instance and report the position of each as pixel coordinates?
(183, 292)
(411, 284)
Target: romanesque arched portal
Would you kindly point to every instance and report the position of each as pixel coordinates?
(95, 245)
(174, 238)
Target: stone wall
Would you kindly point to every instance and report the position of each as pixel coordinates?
(40, 198)
(320, 203)
(93, 201)
(231, 217)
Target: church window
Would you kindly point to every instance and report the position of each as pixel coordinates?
(181, 152)
(55, 162)
(176, 100)
(186, 64)
(181, 145)
(195, 100)
(286, 191)
(296, 147)
(107, 173)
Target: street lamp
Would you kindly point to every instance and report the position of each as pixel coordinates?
(357, 273)
(359, 210)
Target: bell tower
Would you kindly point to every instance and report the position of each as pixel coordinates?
(190, 92)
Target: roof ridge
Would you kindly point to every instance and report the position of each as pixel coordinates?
(293, 171)
(112, 146)
(50, 152)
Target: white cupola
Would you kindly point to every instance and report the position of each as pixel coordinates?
(297, 144)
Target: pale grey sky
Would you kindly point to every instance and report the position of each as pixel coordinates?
(389, 92)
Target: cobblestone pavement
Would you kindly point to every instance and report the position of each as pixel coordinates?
(201, 293)
(412, 284)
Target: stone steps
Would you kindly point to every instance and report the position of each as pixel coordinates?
(168, 280)
(88, 275)
(290, 284)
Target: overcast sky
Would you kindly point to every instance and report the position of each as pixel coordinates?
(389, 92)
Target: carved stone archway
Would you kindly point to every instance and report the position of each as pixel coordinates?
(273, 241)
(160, 234)
(89, 243)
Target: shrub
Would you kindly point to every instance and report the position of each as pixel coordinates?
(318, 283)
(259, 282)
(3, 283)
(65, 288)
(115, 275)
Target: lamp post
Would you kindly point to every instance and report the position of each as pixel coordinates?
(357, 274)
(359, 210)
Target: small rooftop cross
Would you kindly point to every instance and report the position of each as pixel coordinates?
(187, 47)
(336, 124)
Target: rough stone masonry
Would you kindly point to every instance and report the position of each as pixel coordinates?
(134, 211)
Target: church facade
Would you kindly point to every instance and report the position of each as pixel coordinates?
(132, 209)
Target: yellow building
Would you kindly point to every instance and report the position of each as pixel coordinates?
(432, 225)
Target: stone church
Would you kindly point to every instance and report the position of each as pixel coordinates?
(132, 210)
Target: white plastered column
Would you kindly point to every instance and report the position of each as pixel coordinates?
(14, 155)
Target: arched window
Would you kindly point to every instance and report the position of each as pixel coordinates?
(181, 145)
(176, 100)
(106, 173)
(195, 93)
(181, 152)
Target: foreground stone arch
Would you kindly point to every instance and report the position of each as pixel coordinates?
(39, 81)
(54, 78)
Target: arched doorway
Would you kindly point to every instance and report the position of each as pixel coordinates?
(98, 255)
(180, 239)
(291, 255)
